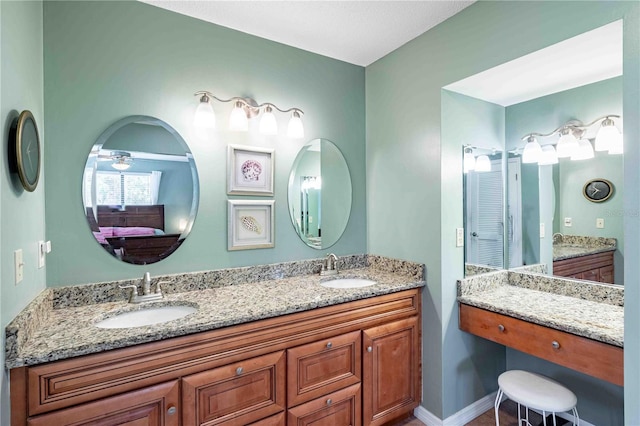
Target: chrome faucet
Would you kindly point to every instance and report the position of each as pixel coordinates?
(330, 265)
(557, 238)
(147, 295)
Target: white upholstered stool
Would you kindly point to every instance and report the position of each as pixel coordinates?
(536, 392)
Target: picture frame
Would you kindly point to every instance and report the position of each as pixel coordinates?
(250, 170)
(250, 224)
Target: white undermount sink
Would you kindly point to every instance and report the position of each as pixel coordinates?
(348, 283)
(147, 316)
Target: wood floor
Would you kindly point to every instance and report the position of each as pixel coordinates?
(508, 417)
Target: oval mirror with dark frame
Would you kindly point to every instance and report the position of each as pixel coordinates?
(319, 194)
(140, 190)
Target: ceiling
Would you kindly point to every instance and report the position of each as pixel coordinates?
(358, 32)
(584, 59)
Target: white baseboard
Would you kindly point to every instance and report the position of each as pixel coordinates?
(470, 412)
(462, 417)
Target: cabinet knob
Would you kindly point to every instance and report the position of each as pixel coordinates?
(555, 345)
(501, 327)
(172, 410)
(369, 349)
(239, 371)
(329, 401)
(329, 345)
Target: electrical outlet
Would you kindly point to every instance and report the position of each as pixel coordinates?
(600, 223)
(568, 222)
(19, 265)
(42, 251)
(542, 230)
(459, 237)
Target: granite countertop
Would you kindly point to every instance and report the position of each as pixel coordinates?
(572, 246)
(70, 331)
(591, 310)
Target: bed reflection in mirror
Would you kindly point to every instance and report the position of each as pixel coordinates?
(140, 190)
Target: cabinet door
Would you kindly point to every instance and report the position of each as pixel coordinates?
(341, 408)
(606, 274)
(391, 371)
(151, 406)
(235, 394)
(317, 368)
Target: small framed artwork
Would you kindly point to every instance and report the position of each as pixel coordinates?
(251, 224)
(250, 170)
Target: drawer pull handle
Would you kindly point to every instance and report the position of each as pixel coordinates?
(369, 349)
(171, 411)
(555, 345)
(501, 327)
(329, 401)
(239, 371)
(329, 345)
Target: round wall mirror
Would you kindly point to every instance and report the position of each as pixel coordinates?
(319, 194)
(140, 190)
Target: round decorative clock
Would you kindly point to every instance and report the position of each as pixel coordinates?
(597, 190)
(25, 150)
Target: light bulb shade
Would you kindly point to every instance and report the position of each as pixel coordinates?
(567, 145)
(295, 130)
(607, 136)
(469, 161)
(584, 151)
(238, 121)
(532, 151)
(268, 124)
(204, 117)
(483, 164)
(548, 156)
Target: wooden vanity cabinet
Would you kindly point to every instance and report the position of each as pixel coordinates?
(271, 372)
(593, 267)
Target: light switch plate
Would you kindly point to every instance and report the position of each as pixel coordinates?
(542, 230)
(600, 223)
(459, 237)
(568, 222)
(19, 265)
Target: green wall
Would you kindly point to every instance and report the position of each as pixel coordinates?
(107, 60)
(413, 175)
(546, 113)
(21, 212)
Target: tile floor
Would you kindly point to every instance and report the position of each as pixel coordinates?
(508, 417)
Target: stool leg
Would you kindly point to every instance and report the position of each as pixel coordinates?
(496, 404)
(544, 418)
(576, 419)
(519, 416)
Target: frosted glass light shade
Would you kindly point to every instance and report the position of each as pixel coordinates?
(548, 156)
(469, 161)
(268, 124)
(567, 145)
(607, 136)
(295, 130)
(532, 151)
(238, 121)
(584, 151)
(120, 165)
(204, 117)
(483, 164)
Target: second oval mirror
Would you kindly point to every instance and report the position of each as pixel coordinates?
(319, 194)
(140, 190)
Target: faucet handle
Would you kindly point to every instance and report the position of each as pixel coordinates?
(134, 290)
(158, 289)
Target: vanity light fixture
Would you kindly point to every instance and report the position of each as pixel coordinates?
(573, 141)
(244, 109)
(477, 159)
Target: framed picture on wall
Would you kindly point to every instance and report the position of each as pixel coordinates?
(251, 224)
(250, 170)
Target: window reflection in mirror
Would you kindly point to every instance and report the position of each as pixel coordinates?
(140, 190)
(319, 194)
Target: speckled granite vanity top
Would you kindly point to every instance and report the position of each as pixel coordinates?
(59, 323)
(573, 246)
(585, 308)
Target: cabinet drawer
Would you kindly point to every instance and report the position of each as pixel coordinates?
(236, 394)
(275, 420)
(341, 408)
(154, 405)
(321, 367)
(589, 356)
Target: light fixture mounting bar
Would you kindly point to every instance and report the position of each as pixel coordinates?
(248, 103)
(571, 124)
